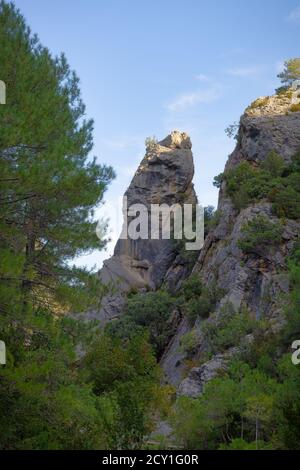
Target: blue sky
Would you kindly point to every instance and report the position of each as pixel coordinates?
(150, 66)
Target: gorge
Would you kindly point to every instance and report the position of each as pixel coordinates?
(255, 281)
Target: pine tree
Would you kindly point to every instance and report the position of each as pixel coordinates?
(48, 189)
(49, 184)
(290, 73)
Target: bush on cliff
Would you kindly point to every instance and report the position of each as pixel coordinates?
(272, 180)
(152, 312)
(199, 300)
(259, 233)
(229, 329)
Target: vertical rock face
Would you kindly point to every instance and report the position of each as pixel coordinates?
(263, 128)
(164, 176)
(266, 125)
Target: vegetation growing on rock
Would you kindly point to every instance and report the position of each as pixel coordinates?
(259, 234)
(255, 403)
(272, 180)
(199, 300)
(152, 312)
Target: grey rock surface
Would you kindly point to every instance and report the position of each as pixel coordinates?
(255, 280)
(193, 385)
(172, 360)
(164, 176)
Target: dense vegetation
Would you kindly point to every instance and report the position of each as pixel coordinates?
(50, 398)
(152, 312)
(255, 404)
(259, 234)
(159, 312)
(272, 180)
(199, 300)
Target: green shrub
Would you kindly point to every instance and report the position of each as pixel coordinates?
(293, 181)
(229, 329)
(259, 233)
(286, 203)
(192, 287)
(151, 311)
(246, 184)
(201, 306)
(274, 164)
(241, 444)
(200, 300)
(294, 167)
(124, 328)
(189, 342)
(272, 179)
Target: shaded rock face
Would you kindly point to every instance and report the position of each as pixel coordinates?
(256, 281)
(164, 176)
(261, 134)
(193, 385)
(172, 361)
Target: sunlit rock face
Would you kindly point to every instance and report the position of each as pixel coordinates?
(268, 124)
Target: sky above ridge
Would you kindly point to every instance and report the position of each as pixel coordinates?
(148, 67)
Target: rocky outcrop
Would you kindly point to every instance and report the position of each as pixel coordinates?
(255, 281)
(164, 176)
(267, 124)
(193, 385)
(248, 280)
